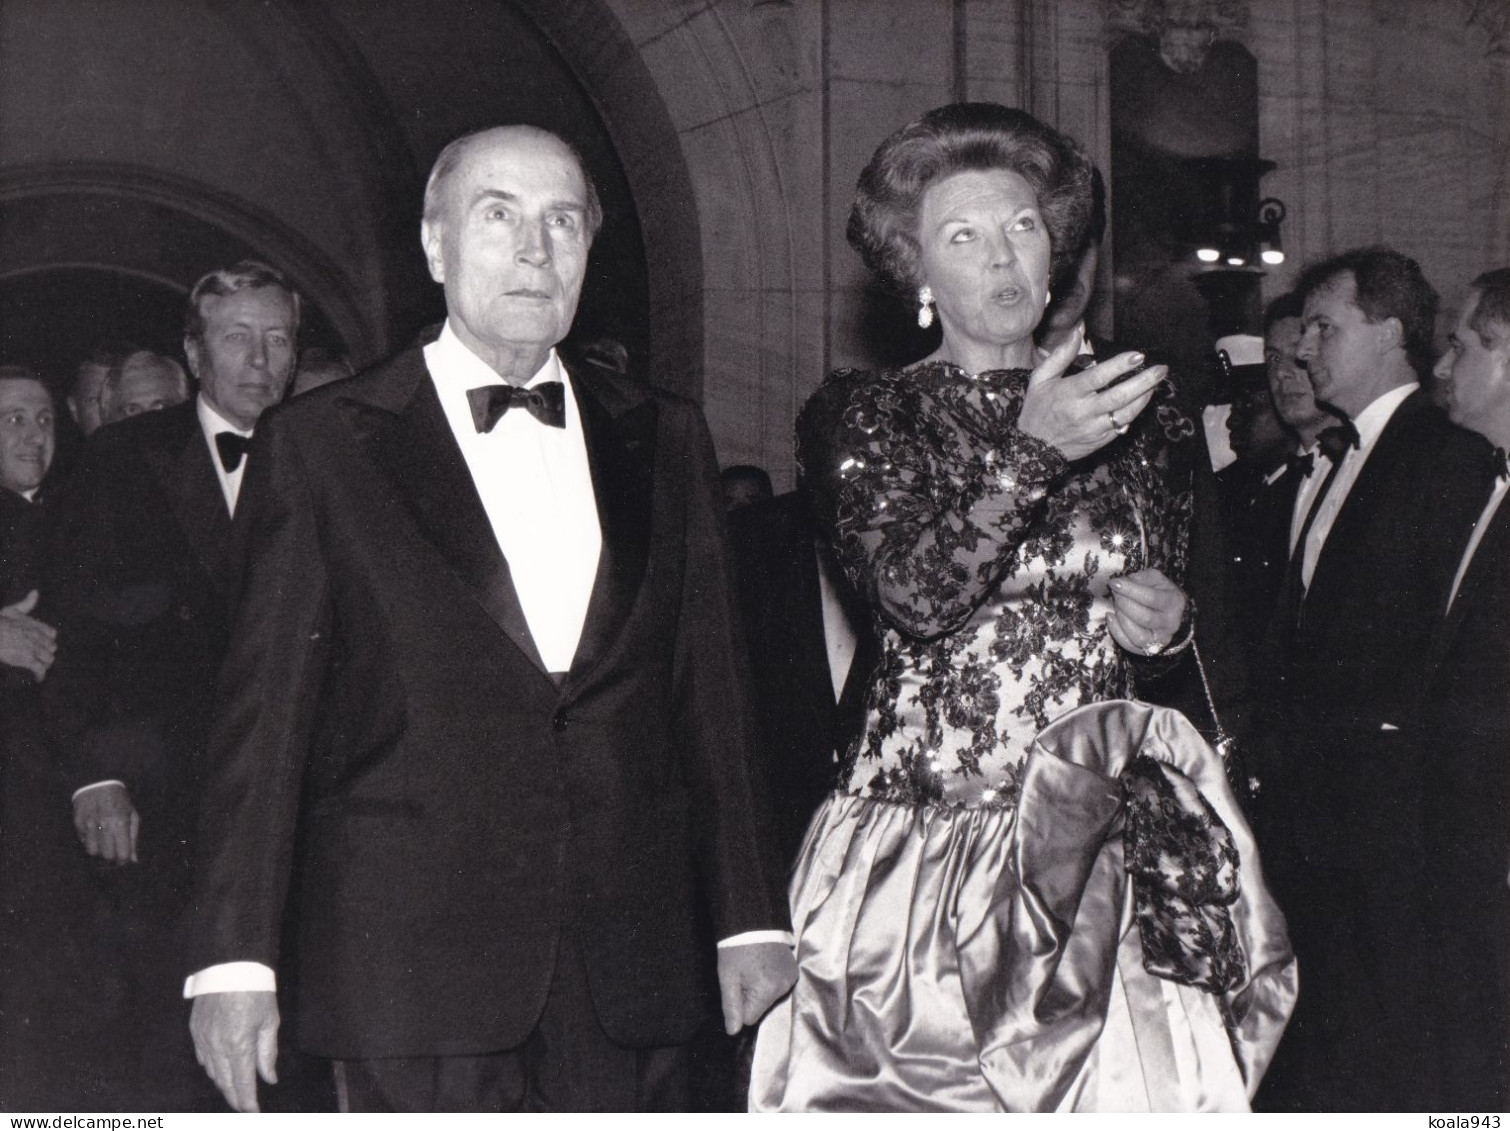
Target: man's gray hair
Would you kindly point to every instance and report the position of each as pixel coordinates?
(248, 274)
(452, 154)
(116, 373)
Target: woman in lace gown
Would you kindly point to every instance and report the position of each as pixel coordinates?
(1028, 892)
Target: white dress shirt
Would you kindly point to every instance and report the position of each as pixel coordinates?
(838, 634)
(536, 488)
(212, 423)
(1370, 424)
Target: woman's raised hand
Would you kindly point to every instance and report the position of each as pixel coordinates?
(1083, 412)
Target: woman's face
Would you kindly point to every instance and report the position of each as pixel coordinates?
(985, 254)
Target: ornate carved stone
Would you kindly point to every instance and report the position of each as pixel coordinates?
(1183, 29)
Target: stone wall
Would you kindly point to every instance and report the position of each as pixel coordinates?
(1386, 117)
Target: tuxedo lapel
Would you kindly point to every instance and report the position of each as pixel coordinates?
(618, 427)
(1374, 487)
(183, 468)
(1482, 567)
(401, 425)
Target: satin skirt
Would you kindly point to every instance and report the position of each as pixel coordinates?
(988, 959)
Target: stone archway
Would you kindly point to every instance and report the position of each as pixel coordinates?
(131, 222)
(682, 99)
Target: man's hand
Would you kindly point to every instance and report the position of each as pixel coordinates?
(107, 823)
(751, 979)
(235, 1041)
(24, 641)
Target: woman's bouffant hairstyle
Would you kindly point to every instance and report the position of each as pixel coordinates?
(953, 139)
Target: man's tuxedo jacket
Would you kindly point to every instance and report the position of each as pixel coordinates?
(23, 547)
(1352, 666)
(1342, 808)
(23, 544)
(136, 586)
(1465, 787)
(801, 725)
(1256, 516)
(459, 809)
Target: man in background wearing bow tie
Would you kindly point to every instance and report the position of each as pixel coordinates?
(485, 626)
(139, 582)
(1466, 728)
(1378, 530)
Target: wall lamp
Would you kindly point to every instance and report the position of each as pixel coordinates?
(1231, 228)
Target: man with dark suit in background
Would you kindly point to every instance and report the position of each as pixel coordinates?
(485, 629)
(138, 582)
(40, 911)
(811, 642)
(28, 441)
(89, 382)
(1465, 728)
(1377, 533)
(1257, 518)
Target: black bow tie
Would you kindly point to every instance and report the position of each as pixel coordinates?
(1501, 464)
(1336, 440)
(1301, 463)
(545, 402)
(232, 448)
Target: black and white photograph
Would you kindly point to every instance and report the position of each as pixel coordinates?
(740, 556)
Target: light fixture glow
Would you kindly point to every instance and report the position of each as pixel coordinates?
(1207, 254)
(1235, 261)
(1272, 256)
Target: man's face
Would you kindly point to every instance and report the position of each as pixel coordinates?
(26, 433)
(1289, 384)
(1475, 378)
(1342, 350)
(84, 401)
(147, 384)
(509, 243)
(1257, 436)
(246, 356)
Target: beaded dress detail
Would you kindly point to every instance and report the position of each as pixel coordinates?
(1027, 893)
(987, 557)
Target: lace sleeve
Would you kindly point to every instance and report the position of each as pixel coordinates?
(928, 488)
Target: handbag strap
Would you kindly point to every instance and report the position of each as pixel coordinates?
(1224, 743)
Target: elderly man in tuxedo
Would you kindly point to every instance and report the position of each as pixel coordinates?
(138, 581)
(485, 629)
(1466, 730)
(1379, 527)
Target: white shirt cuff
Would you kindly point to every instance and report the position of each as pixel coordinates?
(231, 977)
(749, 938)
(96, 785)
